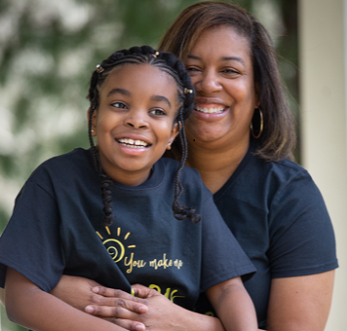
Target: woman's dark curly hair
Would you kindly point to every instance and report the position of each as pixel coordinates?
(169, 64)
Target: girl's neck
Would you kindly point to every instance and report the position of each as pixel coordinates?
(129, 178)
(216, 165)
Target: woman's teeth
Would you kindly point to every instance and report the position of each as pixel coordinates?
(210, 110)
(133, 143)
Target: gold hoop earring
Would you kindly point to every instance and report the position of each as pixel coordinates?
(261, 125)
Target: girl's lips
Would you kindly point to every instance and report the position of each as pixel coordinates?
(132, 149)
(132, 144)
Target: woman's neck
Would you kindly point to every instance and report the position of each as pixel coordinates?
(216, 165)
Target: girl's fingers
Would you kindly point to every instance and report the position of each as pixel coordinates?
(128, 304)
(128, 324)
(143, 291)
(110, 292)
(117, 312)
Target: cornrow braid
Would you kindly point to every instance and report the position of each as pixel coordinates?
(169, 64)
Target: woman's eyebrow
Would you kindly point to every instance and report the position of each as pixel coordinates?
(118, 90)
(233, 58)
(161, 98)
(223, 58)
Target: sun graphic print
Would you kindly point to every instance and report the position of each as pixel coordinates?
(115, 247)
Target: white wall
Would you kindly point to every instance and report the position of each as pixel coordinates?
(322, 37)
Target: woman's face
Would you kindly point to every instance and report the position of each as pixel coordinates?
(221, 70)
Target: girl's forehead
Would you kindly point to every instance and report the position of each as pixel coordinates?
(141, 80)
(134, 71)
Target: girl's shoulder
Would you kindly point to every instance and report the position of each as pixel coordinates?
(193, 187)
(188, 175)
(65, 167)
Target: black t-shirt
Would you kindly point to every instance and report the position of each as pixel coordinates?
(56, 228)
(278, 216)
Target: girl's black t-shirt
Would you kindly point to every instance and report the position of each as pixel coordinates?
(57, 228)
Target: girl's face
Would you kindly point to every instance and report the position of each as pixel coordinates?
(135, 121)
(221, 70)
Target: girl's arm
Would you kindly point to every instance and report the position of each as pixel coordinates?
(78, 292)
(300, 303)
(162, 313)
(29, 306)
(233, 305)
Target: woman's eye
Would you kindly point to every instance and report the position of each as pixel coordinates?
(230, 71)
(157, 112)
(192, 69)
(119, 105)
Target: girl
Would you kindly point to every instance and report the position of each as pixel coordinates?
(139, 102)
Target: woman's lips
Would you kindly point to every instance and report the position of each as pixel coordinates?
(210, 109)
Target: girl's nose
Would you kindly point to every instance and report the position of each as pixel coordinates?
(208, 83)
(136, 120)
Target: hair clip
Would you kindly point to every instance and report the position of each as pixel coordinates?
(187, 90)
(99, 69)
(156, 54)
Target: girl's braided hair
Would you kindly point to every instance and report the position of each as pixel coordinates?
(168, 63)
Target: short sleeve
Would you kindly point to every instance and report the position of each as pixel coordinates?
(301, 233)
(222, 256)
(30, 243)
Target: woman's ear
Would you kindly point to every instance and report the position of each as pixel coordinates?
(257, 95)
(93, 122)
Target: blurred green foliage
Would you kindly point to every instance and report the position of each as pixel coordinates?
(48, 50)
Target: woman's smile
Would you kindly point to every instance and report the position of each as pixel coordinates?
(222, 75)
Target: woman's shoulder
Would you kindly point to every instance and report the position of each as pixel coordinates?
(278, 172)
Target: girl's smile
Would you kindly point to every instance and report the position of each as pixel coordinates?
(135, 121)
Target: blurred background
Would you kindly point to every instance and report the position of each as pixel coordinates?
(48, 50)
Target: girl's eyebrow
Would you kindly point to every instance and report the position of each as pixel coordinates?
(120, 91)
(161, 98)
(224, 58)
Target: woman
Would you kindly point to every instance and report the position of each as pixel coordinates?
(240, 137)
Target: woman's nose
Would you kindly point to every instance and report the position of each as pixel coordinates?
(136, 120)
(208, 82)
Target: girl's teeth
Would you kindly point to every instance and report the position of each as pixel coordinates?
(133, 143)
(210, 110)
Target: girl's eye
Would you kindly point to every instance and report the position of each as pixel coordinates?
(119, 105)
(157, 112)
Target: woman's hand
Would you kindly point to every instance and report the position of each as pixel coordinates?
(162, 314)
(87, 295)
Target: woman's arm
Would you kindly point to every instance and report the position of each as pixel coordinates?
(2, 295)
(300, 303)
(29, 306)
(233, 305)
